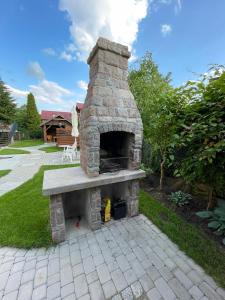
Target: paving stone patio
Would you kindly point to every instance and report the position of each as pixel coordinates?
(24, 166)
(128, 259)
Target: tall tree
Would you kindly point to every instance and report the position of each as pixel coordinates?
(155, 101)
(21, 118)
(201, 135)
(33, 117)
(7, 105)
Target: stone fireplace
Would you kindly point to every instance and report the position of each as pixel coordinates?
(110, 147)
(110, 123)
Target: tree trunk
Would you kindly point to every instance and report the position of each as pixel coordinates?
(161, 174)
(211, 200)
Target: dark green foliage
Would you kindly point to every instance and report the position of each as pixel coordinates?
(180, 198)
(216, 218)
(33, 118)
(21, 118)
(7, 105)
(201, 134)
(155, 100)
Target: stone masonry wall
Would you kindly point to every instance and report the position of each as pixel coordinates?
(109, 105)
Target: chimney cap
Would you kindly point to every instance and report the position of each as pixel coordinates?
(110, 46)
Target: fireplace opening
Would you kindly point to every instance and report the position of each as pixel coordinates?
(115, 150)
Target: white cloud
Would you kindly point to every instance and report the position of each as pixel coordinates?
(113, 19)
(49, 51)
(178, 6)
(166, 29)
(16, 93)
(82, 85)
(67, 56)
(35, 70)
(50, 92)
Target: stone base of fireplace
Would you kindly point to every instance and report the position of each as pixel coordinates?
(73, 195)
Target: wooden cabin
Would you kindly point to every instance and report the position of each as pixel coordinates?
(57, 127)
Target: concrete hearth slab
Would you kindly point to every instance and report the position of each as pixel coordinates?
(72, 179)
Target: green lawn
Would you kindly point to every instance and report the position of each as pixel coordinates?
(50, 149)
(27, 143)
(24, 214)
(190, 239)
(4, 172)
(11, 151)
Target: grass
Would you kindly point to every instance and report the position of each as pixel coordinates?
(50, 149)
(190, 239)
(4, 172)
(27, 143)
(11, 151)
(24, 214)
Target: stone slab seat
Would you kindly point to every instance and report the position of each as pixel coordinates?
(73, 179)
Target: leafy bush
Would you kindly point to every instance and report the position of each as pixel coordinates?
(180, 198)
(216, 218)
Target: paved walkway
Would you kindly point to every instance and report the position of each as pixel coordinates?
(128, 259)
(24, 166)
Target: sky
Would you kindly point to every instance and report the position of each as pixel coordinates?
(44, 44)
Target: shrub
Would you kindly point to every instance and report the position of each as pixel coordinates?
(180, 198)
(216, 218)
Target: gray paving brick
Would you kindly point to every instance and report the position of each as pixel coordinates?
(13, 282)
(88, 265)
(164, 289)
(25, 291)
(53, 279)
(209, 292)
(39, 292)
(75, 257)
(109, 289)
(127, 294)
(18, 266)
(66, 275)
(123, 263)
(130, 276)
(28, 276)
(196, 292)
(78, 270)
(30, 264)
(154, 294)
(80, 285)
(103, 273)
(40, 276)
(137, 289)
(178, 289)
(53, 266)
(85, 297)
(3, 279)
(96, 291)
(166, 274)
(70, 297)
(91, 277)
(53, 291)
(117, 297)
(119, 280)
(146, 283)
(137, 268)
(10, 296)
(67, 290)
(85, 253)
(98, 259)
(187, 283)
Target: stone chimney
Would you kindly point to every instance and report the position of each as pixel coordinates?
(110, 123)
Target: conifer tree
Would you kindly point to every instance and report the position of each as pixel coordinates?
(33, 118)
(7, 105)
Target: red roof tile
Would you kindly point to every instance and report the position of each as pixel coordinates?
(48, 114)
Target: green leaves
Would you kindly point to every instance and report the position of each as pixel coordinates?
(180, 198)
(205, 214)
(216, 218)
